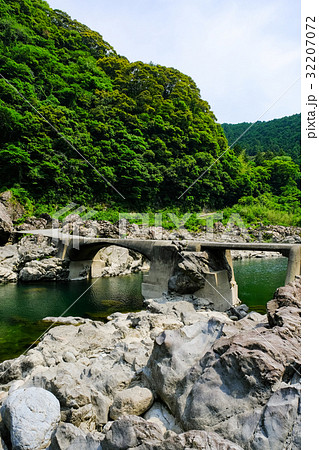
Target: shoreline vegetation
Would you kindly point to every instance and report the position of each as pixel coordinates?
(30, 257)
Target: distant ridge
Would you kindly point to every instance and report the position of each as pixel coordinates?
(279, 136)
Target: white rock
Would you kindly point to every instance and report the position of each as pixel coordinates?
(7, 275)
(31, 415)
(46, 269)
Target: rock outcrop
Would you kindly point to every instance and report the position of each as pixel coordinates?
(69, 437)
(45, 270)
(9, 263)
(217, 383)
(120, 261)
(10, 211)
(244, 385)
(32, 258)
(133, 432)
(6, 225)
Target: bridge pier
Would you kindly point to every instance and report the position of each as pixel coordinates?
(79, 270)
(220, 287)
(163, 263)
(294, 263)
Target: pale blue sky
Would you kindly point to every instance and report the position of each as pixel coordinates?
(242, 54)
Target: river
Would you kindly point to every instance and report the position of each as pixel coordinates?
(22, 306)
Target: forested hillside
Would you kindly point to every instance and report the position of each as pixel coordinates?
(274, 138)
(144, 127)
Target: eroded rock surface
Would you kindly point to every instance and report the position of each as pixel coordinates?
(6, 225)
(244, 385)
(217, 383)
(120, 261)
(32, 258)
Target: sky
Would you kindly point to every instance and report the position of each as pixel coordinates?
(244, 55)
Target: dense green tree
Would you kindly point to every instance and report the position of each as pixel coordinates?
(68, 102)
(279, 136)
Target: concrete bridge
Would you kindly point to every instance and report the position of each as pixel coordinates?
(219, 287)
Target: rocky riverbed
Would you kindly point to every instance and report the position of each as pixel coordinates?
(173, 376)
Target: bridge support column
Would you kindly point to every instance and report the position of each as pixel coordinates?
(219, 291)
(97, 267)
(163, 263)
(220, 286)
(79, 270)
(294, 263)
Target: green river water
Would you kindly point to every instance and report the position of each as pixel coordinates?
(22, 306)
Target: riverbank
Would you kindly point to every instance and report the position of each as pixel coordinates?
(181, 377)
(34, 258)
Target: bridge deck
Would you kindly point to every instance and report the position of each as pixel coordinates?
(260, 246)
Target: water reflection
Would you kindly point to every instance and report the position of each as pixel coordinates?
(258, 279)
(23, 306)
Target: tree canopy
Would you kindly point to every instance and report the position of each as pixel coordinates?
(143, 127)
(275, 137)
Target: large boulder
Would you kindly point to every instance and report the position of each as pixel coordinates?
(189, 274)
(34, 257)
(10, 211)
(120, 261)
(31, 415)
(174, 355)
(285, 308)
(36, 247)
(7, 275)
(132, 431)
(117, 260)
(240, 381)
(13, 207)
(9, 263)
(69, 437)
